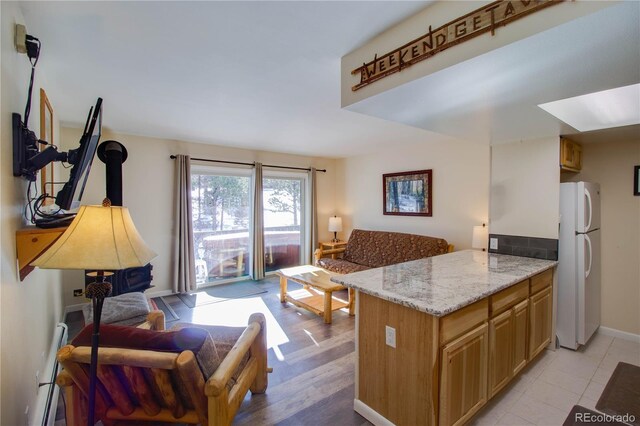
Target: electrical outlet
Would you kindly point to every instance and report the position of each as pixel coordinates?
(390, 334)
(493, 243)
(77, 292)
(21, 38)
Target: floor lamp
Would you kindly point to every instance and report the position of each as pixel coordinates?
(100, 238)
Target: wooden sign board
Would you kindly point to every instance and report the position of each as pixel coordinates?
(480, 21)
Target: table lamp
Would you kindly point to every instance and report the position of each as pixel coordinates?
(335, 226)
(99, 238)
(480, 237)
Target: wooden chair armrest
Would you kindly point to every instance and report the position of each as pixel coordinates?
(155, 321)
(320, 253)
(218, 381)
(64, 379)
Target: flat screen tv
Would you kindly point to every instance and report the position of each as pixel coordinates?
(69, 196)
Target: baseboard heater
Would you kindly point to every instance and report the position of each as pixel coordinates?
(45, 412)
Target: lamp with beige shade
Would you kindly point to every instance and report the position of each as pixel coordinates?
(100, 238)
(335, 226)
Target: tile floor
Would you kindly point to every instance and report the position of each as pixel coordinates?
(547, 389)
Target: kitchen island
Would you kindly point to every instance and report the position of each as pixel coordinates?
(436, 338)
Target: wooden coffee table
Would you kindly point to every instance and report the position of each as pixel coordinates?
(317, 283)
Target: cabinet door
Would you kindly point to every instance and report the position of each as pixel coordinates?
(540, 322)
(501, 344)
(570, 155)
(577, 156)
(566, 153)
(463, 380)
(520, 325)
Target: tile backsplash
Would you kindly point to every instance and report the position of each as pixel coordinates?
(539, 248)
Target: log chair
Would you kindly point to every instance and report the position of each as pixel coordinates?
(160, 380)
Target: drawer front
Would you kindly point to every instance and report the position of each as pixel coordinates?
(463, 320)
(542, 280)
(509, 297)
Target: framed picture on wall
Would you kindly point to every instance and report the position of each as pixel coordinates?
(407, 193)
(46, 134)
(636, 180)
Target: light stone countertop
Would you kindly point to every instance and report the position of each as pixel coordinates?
(442, 284)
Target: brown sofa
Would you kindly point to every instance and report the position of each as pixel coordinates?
(373, 249)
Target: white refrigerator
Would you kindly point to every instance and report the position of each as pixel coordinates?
(578, 314)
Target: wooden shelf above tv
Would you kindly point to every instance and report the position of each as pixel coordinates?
(31, 242)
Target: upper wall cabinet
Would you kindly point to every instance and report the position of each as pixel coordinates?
(570, 155)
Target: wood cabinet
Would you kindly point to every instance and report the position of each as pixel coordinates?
(463, 384)
(501, 350)
(540, 321)
(570, 155)
(507, 345)
(442, 370)
(520, 328)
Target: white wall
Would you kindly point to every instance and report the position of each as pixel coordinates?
(29, 309)
(460, 189)
(148, 191)
(611, 165)
(525, 188)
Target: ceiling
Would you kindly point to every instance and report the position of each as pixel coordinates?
(266, 75)
(493, 98)
(260, 75)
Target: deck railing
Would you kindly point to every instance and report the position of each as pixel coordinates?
(225, 254)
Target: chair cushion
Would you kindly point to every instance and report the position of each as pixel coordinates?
(340, 266)
(195, 340)
(378, 248)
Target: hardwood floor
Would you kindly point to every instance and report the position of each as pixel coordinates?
(313, 363)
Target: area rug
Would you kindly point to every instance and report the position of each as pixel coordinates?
(169, 313)
(621, 396)
(220, 293)
(580, 415)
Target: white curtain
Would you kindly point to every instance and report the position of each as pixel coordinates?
(184, 277)
(313, 216)
(257, 246)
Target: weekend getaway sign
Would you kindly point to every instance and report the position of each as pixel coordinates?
(480, 21)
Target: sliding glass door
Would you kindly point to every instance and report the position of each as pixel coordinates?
(221, 213)
(284, 216)
(221, 209)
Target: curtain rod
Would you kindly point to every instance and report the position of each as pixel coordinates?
(173, 157)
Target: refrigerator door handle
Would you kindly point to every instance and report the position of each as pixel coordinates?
(590, 204)
(588, 241)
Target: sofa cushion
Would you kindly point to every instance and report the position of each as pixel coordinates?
(340, 266)
(378, 248)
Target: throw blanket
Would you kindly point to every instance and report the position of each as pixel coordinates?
(124, 309)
